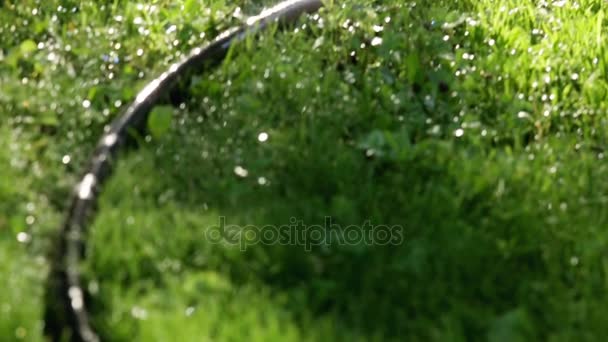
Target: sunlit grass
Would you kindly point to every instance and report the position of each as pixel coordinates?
(478, 126)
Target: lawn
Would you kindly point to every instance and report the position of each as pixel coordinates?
(475, 128)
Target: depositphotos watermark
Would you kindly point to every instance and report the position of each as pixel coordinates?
(297, 233)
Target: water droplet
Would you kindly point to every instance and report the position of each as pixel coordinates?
(23, 237)
(110, 139)
(171, 29)
(574, 261)
(139, 313)
(376, 41)
(553, 169)
(93, 287)
(85, 188)
(241, 172)
(52, 57)
(263, 137)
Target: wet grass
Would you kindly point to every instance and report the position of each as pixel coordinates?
(478, 126)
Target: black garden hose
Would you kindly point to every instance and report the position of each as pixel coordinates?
(67, 312)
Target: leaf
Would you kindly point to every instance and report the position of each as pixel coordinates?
(413, 67)
(27, 47)
(159, 121)
(190, 6)
(12, 59)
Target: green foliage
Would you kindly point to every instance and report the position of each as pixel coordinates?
(478, 126)
(159, 121)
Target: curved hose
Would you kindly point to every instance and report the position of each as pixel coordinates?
(67, 311)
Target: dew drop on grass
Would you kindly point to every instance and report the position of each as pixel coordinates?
(263, 137)
(139, 313)
(553, 169)
(574, 261)
(241, 172)
(52, 57)
(23, 237)
(171, 29)
(93, 287)
(376, 41)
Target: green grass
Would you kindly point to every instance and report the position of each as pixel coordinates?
(478, 126)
